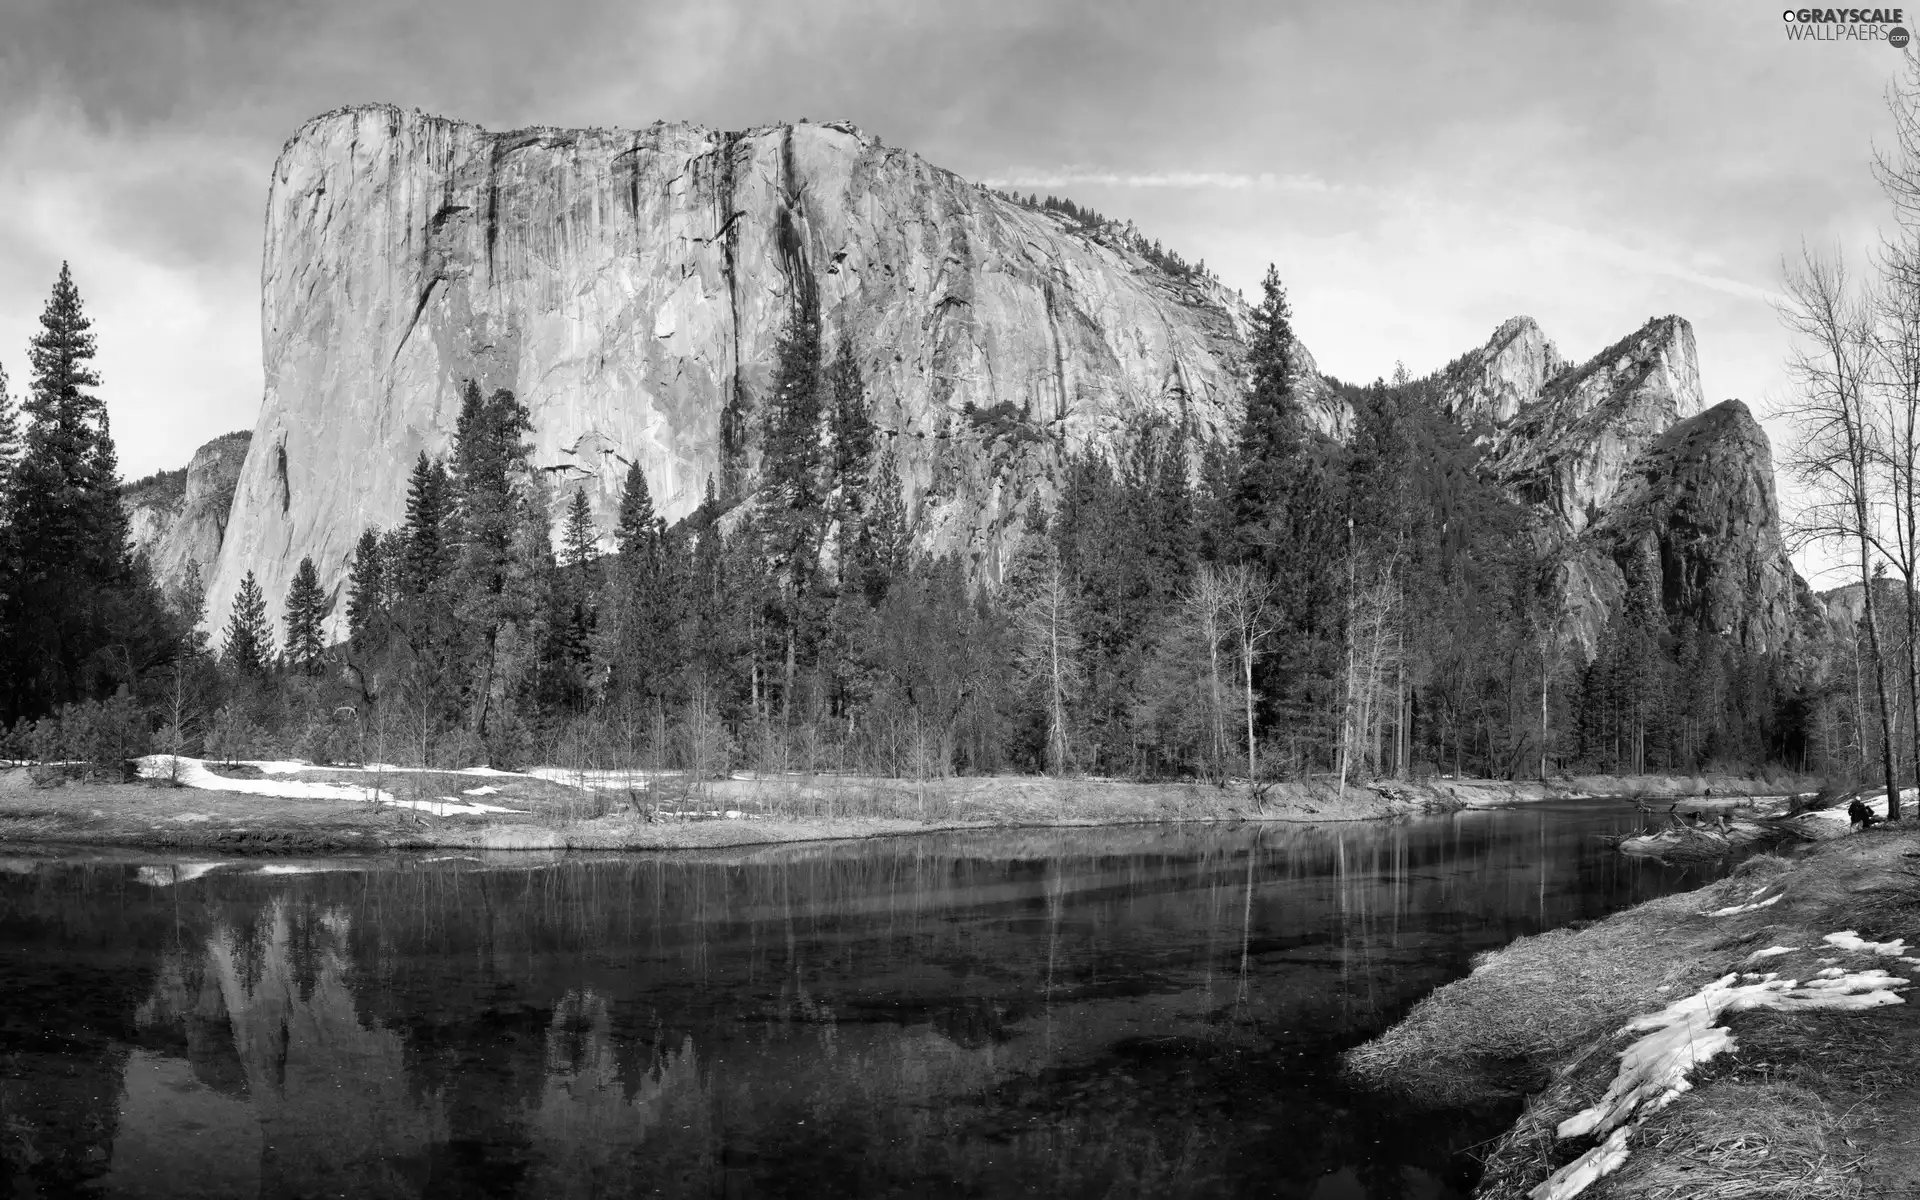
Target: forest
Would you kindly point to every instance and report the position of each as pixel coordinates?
(1279, 606)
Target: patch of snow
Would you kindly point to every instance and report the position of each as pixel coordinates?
(1770, 952)
(484, 789)
(1684, 1035)
(1740, 908)
(1847, 939)
(193, 773)
(598, 781)
(1596, 1163)
(280, 767)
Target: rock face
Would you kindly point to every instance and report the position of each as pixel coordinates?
(626, 284)
(1622, 466)
(1697, 516)
(179, 518)
(1489, 386)
(630, 285)
(1568, 451)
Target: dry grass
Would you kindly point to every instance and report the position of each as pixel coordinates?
(1738, 1141)
(1782, 1116)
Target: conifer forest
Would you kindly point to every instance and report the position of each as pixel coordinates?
(1275, 605)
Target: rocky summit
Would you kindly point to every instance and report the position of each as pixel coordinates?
(1627, 473)
(627, 284)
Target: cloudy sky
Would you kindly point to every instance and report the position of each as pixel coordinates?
(1418, 171)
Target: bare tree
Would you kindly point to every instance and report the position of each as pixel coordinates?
(1250, 616)
(1897, 394)
(1207, 607)
(1049, 656)
(1373, 627)
(1833, 451)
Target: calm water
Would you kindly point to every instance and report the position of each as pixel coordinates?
(1060, 1013)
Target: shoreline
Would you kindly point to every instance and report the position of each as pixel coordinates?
(561, 811)
(1786, 995)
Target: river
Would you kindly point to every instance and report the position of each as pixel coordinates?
(1087, 1012)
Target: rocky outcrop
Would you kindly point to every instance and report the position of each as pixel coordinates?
(1489, 386)
(179, 518)
(1623, 468)
(626, 284)
(1568, 451)
(1696, 518)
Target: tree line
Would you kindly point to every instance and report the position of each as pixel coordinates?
(1278, 604)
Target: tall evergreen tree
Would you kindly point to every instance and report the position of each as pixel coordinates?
(80, 619)
(10, 448)
(426, 536)
(791, 455)
(249, 644)
(306, 614)
(580, 543)
(366, 590)
(852, 425)
(638, 533)
(500, 572)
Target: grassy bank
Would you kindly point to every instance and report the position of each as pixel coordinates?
(1809, 1103)
(557, 810)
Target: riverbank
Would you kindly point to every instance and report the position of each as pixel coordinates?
(268, 807)
(1782, 991)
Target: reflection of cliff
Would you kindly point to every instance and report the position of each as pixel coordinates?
(266, 1015)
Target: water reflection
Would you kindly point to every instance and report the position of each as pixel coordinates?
(1098, 1012)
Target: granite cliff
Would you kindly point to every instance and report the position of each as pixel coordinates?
(178, 518)
(629, 285)
(1626, 469)
(626, 284)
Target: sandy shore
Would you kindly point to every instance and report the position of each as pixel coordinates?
(372, 810)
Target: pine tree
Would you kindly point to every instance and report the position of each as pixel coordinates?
(249, 644)
(425, 537)
(10, 448)
(501, 576)
(852, 426)
(638, 533)
(791, 457)
(366, 590)
(580, 544)
(1271, 432)
(306, 614)
(71, 589)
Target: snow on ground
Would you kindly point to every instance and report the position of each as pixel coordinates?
(1847, 939)
(1770, 952)
(482, 790)
(1837, 815)
(193, 773)
(1684, 1035)
(601, 781)
(1753, 902)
